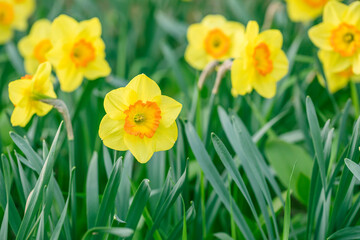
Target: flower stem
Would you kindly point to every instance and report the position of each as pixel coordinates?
(355, 97)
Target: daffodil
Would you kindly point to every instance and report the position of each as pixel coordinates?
(262, 62)
(138, 118)
(338, 37)
(36, 45)
(214, 38)
(336, 80)
(305, 10)
(78, 51)
(13, 16)
(26, 92)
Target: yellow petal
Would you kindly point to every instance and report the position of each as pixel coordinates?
(252, 31)
(196, 56)
(70, 78)
(117, 101)
(353, 14)
(97, 68)
(41, 108)
(196, 34)
(272, 37)
(335, 61)
(18, 89)
(64, 27)
(42, 75)
(5, 34)
(333, 12)
(21, 116)
(281, 66)
(26, 46)
(31, 65)
(145, 88)
(240, 77)
(356, 64)
(112, 133)
(265, 88)
(170, 109)
(41, 29)
(299, 11)
(320, 35)
(165, 137)
(213, 21)
(90, 28)
(141, 148)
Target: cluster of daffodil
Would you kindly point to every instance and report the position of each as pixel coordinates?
(259, 61)
(338, 37)
(138, 118)
(13, 16)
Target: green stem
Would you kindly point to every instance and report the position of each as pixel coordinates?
(73, 188)
(355, 97)
(203, 212)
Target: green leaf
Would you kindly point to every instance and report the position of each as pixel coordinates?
(116, 231)
(349, 233)
(223, 236)
(108, 201)
(190, 215)
(282, 157)
(215, 179)
(287, 212)
(4, 224)
(353, 167)
(35, 198)
(138, 204)
(92, 191)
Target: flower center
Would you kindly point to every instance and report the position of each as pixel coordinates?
(262, 61)
(216, 43)
(27, 77)
(82, 53)
(316, 3)
(41, 49)
(142, 119)
(345, 39)
(6, 13)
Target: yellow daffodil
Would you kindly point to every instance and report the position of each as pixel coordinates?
(214, 38)
(305, 10)
(138, 118)
(261, 64)
(78, 51)
(36, 45)
(13, 16)
(26, 92)
(336, 80)
(338, 37)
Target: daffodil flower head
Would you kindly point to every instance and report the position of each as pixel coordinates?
(305, 10)
(13, 16)
(36, 45)
(336, 80)
(214, 38)
(338, 37)
(78, 51)
(138, 118)
(26, 92)
(262, 62)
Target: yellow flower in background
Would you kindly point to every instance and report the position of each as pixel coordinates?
(261, 64)
(36, 45)
(338, 37)
(26, 92)
(138, 118)
(214, 38)
(78, 51)
(13, 16)
(336, 80)
(305, 10)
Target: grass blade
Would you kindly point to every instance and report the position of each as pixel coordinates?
(92, 191)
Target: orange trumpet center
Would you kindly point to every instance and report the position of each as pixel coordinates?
(216, 43)
(6, 13)
(262, 61)
(142, 119)
(83, 53)
(41, 49)
(345, 39)
(316, 3)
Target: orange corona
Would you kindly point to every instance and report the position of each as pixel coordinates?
(83, 53)
(41, 49)
(6, 13)
(142, 119)
(345, 39)
(316, 3)
(217, 44)
(262, 61)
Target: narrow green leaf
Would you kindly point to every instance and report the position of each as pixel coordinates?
(190, 216)
(138, 204)
(287, 212)
(4, 224)
(349, 233)
(92, 191)
(223, 236)
(116, 231)
(353, 167)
